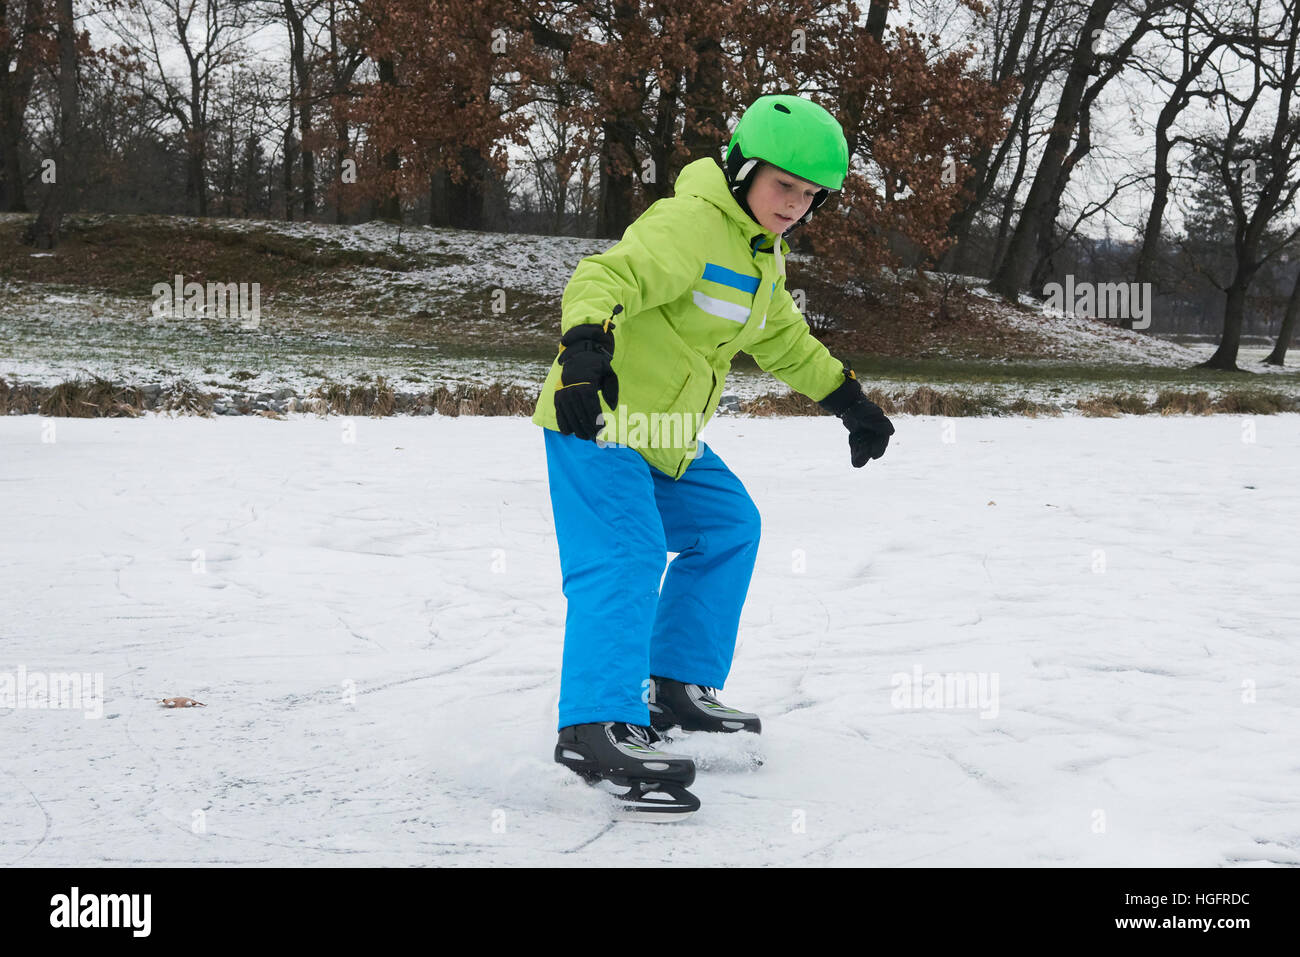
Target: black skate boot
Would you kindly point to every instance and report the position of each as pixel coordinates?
(694, 708)
(626, 758)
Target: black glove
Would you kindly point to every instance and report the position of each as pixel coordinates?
(869, 429)
(585, 355)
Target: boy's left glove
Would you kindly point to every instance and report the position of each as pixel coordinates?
(585, 354)
(869, 428)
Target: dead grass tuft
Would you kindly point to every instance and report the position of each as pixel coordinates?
(1032, 409)
(1173, 402)
(92, 399)
(18, 399)
(340, 399)
(1243, 402)
(493, 399)
(185, 396)
(1117, 403)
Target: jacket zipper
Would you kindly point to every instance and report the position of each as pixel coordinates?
(753, 252)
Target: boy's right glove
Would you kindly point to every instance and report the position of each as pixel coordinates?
(585, 354)
(869, 429)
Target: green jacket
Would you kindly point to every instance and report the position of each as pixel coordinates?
(699, 281)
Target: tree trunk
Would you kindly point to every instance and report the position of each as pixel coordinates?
(229, 173)
(301, 73)
(439, 186)
(44, 232)
(390, 208)
(1234, 310)
(959, 256)
(877, 16)
(11, 170)
(1155, 217)
(198, 156)
(581, 217)
(557, 209)
(661, 140)
(16, 78)
(617, 145)
(341, 151)
(1009, 203)
(308, 167)
(198, 166)
(1278, 356)
(704, 100)
(251, 176)
(465, 199)
(286, 171)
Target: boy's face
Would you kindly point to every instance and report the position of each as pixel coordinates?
(779, 200)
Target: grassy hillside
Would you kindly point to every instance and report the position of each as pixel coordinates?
(418, 310)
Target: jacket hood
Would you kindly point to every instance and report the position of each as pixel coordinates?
(704, 178)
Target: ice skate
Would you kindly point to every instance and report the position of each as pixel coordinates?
(625, 760)
(675, 704)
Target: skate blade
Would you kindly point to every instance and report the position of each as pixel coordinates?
(646, 802)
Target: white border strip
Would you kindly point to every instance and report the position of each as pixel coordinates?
(721, 308)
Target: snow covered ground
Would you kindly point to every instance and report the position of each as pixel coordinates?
(371, 612)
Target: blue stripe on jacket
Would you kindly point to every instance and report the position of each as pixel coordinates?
(729, 277)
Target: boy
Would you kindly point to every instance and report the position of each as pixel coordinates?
(651, 327)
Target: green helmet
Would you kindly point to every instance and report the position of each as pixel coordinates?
(792, 134)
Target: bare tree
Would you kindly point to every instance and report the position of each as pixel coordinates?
(1028, 255)
(1009, 61)
(1257, 173)
(1198, 36)
(44, 232)
(208, 35)
(244, 111)
(23, 28)
(1108, 65)
(555, 154)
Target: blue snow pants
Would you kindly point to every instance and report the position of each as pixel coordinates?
(616, 519)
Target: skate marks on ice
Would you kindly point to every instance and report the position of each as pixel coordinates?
(1122, 692)
(23, 814)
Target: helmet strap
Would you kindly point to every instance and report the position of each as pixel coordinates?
(743, 174)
